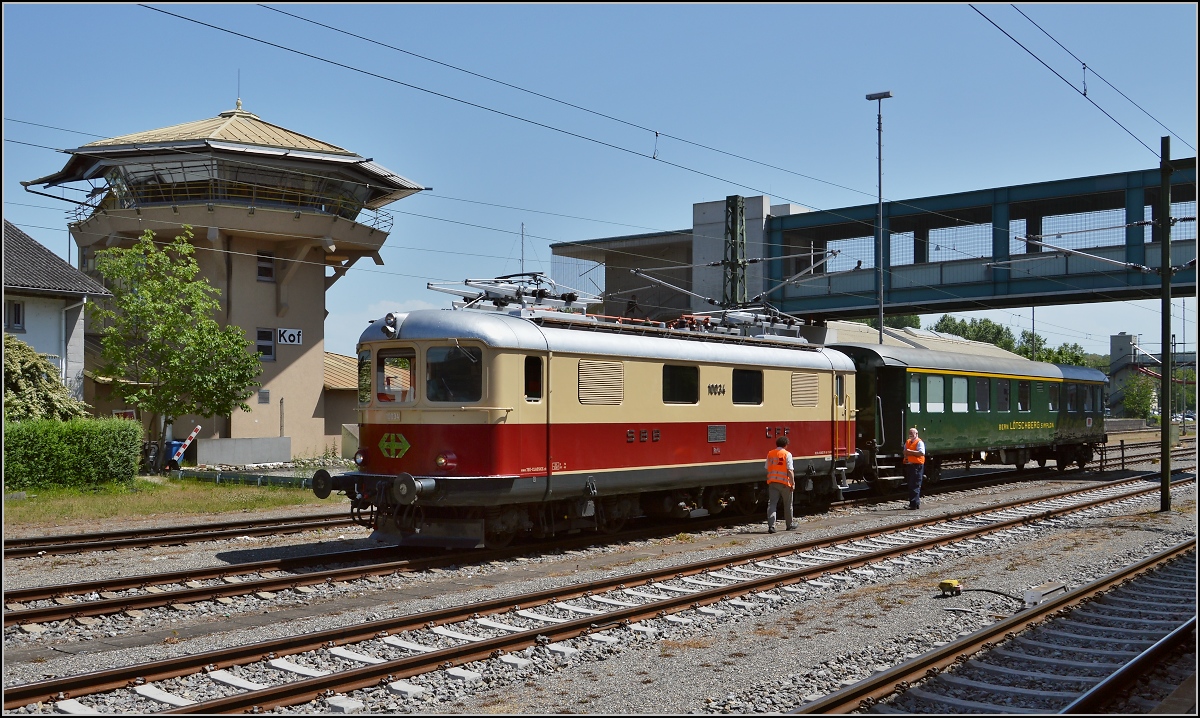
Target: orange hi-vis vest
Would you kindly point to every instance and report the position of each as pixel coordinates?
(777, 470)
(913, 445)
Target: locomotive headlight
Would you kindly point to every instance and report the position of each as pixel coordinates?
(359, 457)
(446, 460)
(389, 324)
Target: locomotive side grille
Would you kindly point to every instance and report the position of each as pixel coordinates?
(804, 389)
(601, 382)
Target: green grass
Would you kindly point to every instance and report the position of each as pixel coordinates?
(144, 498)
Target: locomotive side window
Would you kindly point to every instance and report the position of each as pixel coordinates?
(914, 394)
(747, 386)
(1023, 396)
(1072, 397)
(958, 394)
(1003, 394)
(983, 394)
(364, 377)
(839, 389)
(393, 375)
(454, 373)
(935, 393)
(533, 378)
(1054, 397)
(681, 384)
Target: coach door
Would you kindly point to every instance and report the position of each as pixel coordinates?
(841, 416)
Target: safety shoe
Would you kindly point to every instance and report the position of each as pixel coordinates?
(793, 527)
(770, 529)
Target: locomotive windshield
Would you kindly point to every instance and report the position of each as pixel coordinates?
(393, 375)
(454, 374)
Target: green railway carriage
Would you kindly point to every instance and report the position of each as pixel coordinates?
(972, 407)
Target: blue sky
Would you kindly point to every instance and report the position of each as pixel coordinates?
(780, 83)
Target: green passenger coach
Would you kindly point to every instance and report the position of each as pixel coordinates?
(970, 407)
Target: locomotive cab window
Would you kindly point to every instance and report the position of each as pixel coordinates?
(983, 394)
(364, 377)
(914, 394)
(747, 386)
(393, 375)
(681, 384)
(1003, 394)
(839, 389)
(454, 374)
(958, 394)
(533, 378)
(1023, 396)
(935, 393)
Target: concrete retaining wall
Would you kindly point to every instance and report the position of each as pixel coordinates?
(238, 452)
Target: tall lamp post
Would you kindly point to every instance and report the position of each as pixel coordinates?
(879, 97)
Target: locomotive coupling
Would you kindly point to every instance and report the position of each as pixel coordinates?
(406, 489)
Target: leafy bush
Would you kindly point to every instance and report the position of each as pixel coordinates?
(32, 389)
(80, 453)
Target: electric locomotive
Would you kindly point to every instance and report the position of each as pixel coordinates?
(514, 414)
(971, 407)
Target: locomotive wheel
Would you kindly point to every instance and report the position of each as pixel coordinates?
(748, 499)
(498, 539)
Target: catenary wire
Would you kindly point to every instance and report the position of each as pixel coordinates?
(1089, 67)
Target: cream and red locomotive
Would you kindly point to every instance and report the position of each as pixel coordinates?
(513, 414)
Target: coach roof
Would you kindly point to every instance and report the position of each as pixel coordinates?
(955, 362)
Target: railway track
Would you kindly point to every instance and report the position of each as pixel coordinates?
(125, 593)
(612, 609)
(173, 535)
(169, 535)
(1073, 653)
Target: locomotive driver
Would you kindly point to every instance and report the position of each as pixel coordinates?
(781, 479)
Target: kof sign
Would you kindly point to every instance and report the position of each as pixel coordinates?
(289, 336)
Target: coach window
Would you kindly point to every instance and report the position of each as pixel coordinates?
(1053, 393)
(983, 394)
(1003, 390)
(681, 384)
(914, 394)
(393, 375)
(747, 386)
(958, 394)
(1023, 396)
(1072, 398)
(1087, 397)
(454, 374)
(364, 377)
(935, 390)
(533, 378)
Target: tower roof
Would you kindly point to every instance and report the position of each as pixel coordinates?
(236, 125)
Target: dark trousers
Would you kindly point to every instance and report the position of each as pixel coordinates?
(913, 474)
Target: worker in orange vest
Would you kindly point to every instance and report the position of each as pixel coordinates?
(914, 467)
(781, 480)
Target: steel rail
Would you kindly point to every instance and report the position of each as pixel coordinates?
(75, 686)
(108, 606)
(21, 548)
(871, 690)
(1105, 691)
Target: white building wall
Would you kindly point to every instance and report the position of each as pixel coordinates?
(43, 325)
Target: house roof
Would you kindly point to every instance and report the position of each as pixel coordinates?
(341, 371)
(31, 268)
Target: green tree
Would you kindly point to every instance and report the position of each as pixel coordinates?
(160, 342)
(1139, 397)
(979, 330)
(32, 389)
